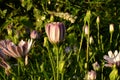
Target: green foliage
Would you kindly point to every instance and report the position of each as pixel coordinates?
(114, 74)
(19, 17)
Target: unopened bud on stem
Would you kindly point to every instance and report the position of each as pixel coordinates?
(55, 32)
(98, 20)
(111, 28)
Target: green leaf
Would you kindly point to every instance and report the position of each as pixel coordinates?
(61, 66)
(71, 38)
(114, 74)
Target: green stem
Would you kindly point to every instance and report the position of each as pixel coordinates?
(62, 76)
(18, 69)
(57, 68)
(80, 47)
(20, 66)
(98, 35)
(57, 62)
(87, 52)
(102, 73)
(52, 64)
(111, 38)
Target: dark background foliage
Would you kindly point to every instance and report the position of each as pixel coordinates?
(19, 17)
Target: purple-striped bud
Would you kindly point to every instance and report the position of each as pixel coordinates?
(55, 32)
(34, 34)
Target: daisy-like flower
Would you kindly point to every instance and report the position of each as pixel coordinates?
(112, 59)
(10, 49)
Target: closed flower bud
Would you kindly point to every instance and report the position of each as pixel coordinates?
(111, 28)
(96, 66)
(55, 32)
(98, 20)
(91, 75)
(91, 40)
(86, 30)
(34, 34)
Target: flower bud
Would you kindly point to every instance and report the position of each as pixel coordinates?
(98, 20)
(34, 34)
(96, 66)
(86, 30)
(91, 75)
(111, 28)
(55, 32)
(91, 40)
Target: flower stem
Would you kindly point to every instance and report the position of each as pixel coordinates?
(87, 52)
(80, 47)
(111, 34)
(52, 63)
(57, 61)
(98, 34)
(62, 76)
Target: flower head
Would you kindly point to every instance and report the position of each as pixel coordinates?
(10, 49)
(112, 58)
(55, 32)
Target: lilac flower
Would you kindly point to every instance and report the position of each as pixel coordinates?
(55, 32)
(10, 49)
(112, 58)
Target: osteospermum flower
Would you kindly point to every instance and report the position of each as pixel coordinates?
(10, 49)
(112, 58)
(55, 32)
